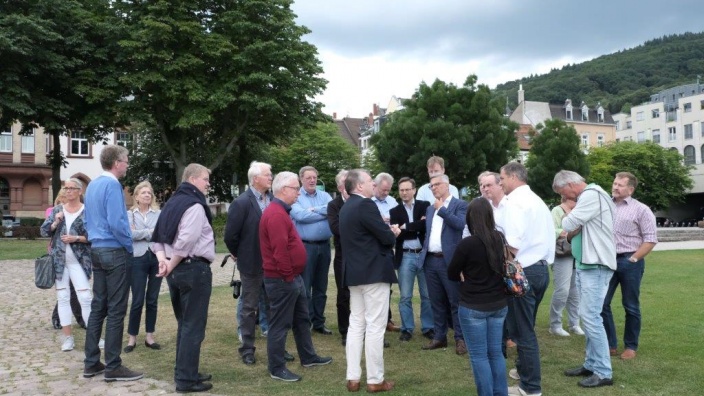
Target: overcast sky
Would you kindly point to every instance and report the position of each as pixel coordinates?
(374, 49)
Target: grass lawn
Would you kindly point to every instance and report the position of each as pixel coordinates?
(22, 249)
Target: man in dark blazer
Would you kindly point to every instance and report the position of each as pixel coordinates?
(368, 273)
(343, 293)
(445, 221)
(410, 217)
(242, 240)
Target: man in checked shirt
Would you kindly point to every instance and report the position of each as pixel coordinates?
(636, 235)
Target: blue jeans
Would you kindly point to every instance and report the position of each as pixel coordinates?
(253, 298)
(111, 268)
(143, 274)
(524, 310)
(315, 278)
(484, 334)
(592, 285)
(629, 276)
(444, 295)
(408, 272)
(190, 286)
(288, 309)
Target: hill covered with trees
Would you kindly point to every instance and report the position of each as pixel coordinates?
(619, 80)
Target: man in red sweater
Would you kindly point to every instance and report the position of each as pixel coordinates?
(283, 261)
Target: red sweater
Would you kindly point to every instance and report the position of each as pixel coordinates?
(283, 253)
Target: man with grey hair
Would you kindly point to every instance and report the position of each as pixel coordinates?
(283, 261)
(530, 234)
(242, 240)
(381, 198)
(343, 293)
(309, 214)
(595, 252)
(111, 247)
(489, 185)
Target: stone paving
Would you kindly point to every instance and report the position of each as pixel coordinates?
(31, 360)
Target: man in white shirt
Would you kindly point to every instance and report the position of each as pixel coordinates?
(489, 185)
(436, 167)
(531, 236)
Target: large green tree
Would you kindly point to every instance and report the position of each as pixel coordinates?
(60, 69)
(662, 176)
(554, 146)
(216, 74)
(320, 146)
(464, 125)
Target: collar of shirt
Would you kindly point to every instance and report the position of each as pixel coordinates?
(304, 192)
(411, 205)
(501, 203)
(286, 206)
(626, 201)
(135, 210)
(106, 173)
(257, 194)
(384, 201)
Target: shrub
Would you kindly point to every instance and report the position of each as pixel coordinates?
(31, 221)
(219, 226)
(26, 232)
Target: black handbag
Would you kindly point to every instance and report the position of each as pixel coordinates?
(44, 274)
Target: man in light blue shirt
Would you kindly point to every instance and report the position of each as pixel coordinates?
(381, 197)
(309, 214)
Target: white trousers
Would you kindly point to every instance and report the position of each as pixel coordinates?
(81, 284)
(369, 314)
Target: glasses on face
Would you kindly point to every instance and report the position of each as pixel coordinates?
(404, 190)
(293, 187)
(436, 184)
(71, 188)
(123, 161)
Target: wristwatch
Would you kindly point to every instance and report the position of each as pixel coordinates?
(633, 259)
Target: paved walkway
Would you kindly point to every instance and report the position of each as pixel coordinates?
(32, 362)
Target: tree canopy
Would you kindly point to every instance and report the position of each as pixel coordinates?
(554, 146)
(662, 176)
(461, 124)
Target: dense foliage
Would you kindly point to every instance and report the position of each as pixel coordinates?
(624, 78)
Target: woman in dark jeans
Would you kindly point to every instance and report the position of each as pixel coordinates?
(143, 217)
(477, 264)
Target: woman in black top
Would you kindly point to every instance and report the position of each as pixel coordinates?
(477, 264)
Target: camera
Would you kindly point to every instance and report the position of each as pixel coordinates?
(236, 286)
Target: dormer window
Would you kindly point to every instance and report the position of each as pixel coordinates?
(585, 112)
(600, 113)
(568, 109)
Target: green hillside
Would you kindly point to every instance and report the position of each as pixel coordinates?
(624, 78)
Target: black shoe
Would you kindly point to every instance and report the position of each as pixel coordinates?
(56, 323)
(197, 387)
(285, 375)
(322, 330)
(430, 334)
(122, 373)
(129, 348)
(317, 361)
(594, 381)
(153, 345)
(578, 372)
(202, 377)
(288, 357)
(96, 369)
(405, 336)
(386, 344)
(249, 359)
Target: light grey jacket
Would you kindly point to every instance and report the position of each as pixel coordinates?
(595, 214)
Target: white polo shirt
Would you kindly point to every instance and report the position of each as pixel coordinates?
(528, 227)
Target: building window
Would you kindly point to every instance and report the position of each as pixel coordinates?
(702, 153)
(656, 136)
(123, 139)
(79, 143)
(585, 140)
(600, 140)
(688, 134)
(702, 128)
(656, 113)
(640, 116)
(689, 156)
(701, 105)
(6, 141)
(28, 143)
(47, 143)
(618, 125)
(687, 107)
(569, 114)
(672, 134)
(641, 137)
(629, 124)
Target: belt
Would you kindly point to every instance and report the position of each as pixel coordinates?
(189, 260)
(436, 254)
(625, 254)
(412, 250)
(323, 242)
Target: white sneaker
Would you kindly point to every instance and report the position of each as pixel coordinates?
(513, 373)
(577, 330)
(101, 344)
(68, 344)
(559, 331)
(517, 391)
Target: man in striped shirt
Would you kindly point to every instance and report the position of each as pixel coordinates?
(635, 234)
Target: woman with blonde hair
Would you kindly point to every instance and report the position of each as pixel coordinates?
(143, 216)
(70, 251)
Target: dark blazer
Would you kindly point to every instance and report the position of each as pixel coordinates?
(414, 229)
(367, 242)
(334, 207)
(242, 233)
(454, 220)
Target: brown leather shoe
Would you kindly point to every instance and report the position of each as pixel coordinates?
(391, 326)
(613, 352)
(382, 387)
(628, 354)
(352, 386)
(435, 344)
(460, 347)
